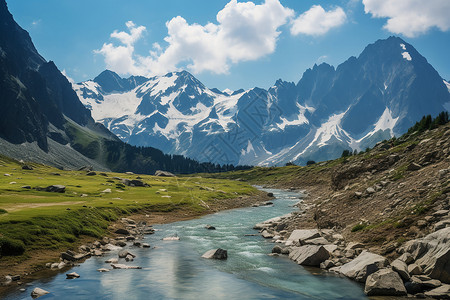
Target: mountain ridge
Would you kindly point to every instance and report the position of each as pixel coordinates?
(374, 96)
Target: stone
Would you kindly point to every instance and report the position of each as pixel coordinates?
(414, 166)
(56, 188)
(164, 174)
(122, 266)
(414, 269)
(401, 268)
(91, 173)
(309, 255)
(72, 275)
(171, 238)
(327, 264)
(270, 194)
(358, 194)
(315, 241)
(145, 245)
(97, 253)
(266, 234)
(210, 227)
(112, 261)
(407, 258)
(67, 256)
(129, 258)
(26, 187)
(106, 191)
(441, 213)
(277, 249)
(102, 270)
(330, 248)
(130, 238)
(432, 253)
(363, 265)
(216, 254)
(27, 167)
(370, 190)
(353, 246)
(302, 234)
(38, 292)
(384, 282)
(122, 231)
(442, 292)
(442, 224)
(125, 253)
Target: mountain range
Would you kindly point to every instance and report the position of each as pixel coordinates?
(366, 99)
(42, 119)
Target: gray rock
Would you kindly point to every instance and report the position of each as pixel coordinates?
(362, 266)
(210, 227)
(401, 268)
(91, 173)
(432, 253)
(442, 224)
(442, 292)
(72, 275)
(122, 266)
(327, 264)
(103, 270)
(56, 188)
(315, 241)
(302, 234)
(277, 249)
(407, 258)
(384, 282)
(266, 234)
(112, 261)
(122, 231)
(370, 190)
(27, 167)
(216, 254)
(145, 245)
(414, 269)
(129, 258)
(309, 255)
(125, 253)
(38, 292)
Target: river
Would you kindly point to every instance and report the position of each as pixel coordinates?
(175, 269)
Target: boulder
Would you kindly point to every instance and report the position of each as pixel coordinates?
(414, 269)
(125, 253)
(442, 292)
(72, 275)
(277, 249)
(56, 188)
(432, 253)
(401, 268)
(102, 270)
(270, 194)
(362, 266)
(407, 258)
(134, 182)
(27, 167)
(145, 245)
(38, 292)
(164, 174)
(384, 282)
(302, 234)
(266, 234)
(129, 258)
(122, 266)
(327, 264)
(315, 241)
(309, 255)
(216, 254)
(91, 173)
(112, 261)
(122, 231)
(68, 256)
(210, 227)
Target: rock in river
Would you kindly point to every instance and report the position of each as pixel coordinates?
(38, 292)
(216, 254)
(309, 255)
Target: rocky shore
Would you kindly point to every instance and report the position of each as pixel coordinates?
(420, 267)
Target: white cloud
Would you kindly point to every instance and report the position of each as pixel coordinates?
(317, 21)
(411, 17)
(244, 31)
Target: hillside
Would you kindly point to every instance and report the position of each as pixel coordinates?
(395, 192)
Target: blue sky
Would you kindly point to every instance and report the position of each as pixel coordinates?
(226, 44)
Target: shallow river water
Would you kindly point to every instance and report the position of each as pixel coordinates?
(175, 269)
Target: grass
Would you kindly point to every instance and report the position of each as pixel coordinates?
(43, 220)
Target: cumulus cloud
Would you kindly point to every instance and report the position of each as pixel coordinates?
(411, 17)
(317, 21)
(244, 31)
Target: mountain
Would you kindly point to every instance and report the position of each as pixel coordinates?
(43, 120)
(366, 99)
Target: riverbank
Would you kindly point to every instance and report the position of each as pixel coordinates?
(34, 267)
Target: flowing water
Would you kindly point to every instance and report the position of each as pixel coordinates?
(175, 269)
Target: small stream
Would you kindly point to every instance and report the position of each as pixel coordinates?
(175, 269)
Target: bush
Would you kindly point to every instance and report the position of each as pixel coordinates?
(3, 211)
(11, 247)
(359, 227)
(310, 162)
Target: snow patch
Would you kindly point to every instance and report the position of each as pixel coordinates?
(403, 46)
(406, 56)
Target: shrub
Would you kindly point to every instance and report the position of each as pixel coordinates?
(359, 227)
(11, 247)
(310, 162)
(3, 211)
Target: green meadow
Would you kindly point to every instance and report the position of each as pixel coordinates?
(31, 219)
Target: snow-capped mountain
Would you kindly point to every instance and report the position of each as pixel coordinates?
(381, 93)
